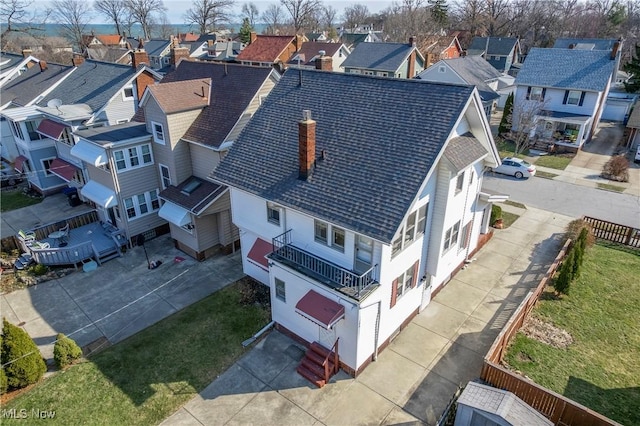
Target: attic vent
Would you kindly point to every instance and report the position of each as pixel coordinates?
(191, 186)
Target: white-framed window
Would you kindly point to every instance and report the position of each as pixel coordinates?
(17, 130)
(321, 231)
(31, 130)
(354, 71)
(496, 58)
(66, 137)
(442, 69)
(127, 93)
(383, 74)
(133, 157)
(368, 72)
(158, 132)
(329, 235)
(404, 282)
(451, 236)
(573, 98)
(459, 182)
(46, 166)
(536, 94)
(141, 204)
(466, 236)
(281, 289)
(165, 177)
(78, 177)
(122, 121)
(413, 229)
(273, 214)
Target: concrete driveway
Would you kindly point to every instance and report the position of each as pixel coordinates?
(119, 298)
(415, 377)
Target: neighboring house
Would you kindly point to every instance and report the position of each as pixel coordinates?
(633, 126)
(109, 54)
(158, 50)
(310, 51)
(268, 50)
(561, 93)
(437, 47)
(195, 114)
(357, 198)
(90, 94)
(351, 40)
(584, 43)
(501, 52)
(12, 65)
(221, 50)
(467, 70)
(198, 48)
(400, 60)
(318, 37)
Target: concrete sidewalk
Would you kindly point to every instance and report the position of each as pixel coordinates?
(416, 375)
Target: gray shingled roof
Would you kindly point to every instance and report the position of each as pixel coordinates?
(381, 137)
(31, 83)
(310, 49)
(113, 134)
(462, 151)
(378, 56)
(92, 83)
(597, 43)
(233, 88)
(473, 70)
(567, 69)
(155, 47)
(196, 201)
(500, 46)
(8, 60)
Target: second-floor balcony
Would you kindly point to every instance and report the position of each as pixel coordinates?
(353, 284)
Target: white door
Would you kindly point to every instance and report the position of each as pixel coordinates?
(326, 337)
(426, 293)
(363, 253)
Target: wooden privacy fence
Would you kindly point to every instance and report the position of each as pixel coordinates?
(74, 222)
(557, 408)
(617, 233)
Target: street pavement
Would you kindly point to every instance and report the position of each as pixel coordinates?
(415, 377)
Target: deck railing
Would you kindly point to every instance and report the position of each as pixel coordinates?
(69, 255)
(320, 269)
(74, 222)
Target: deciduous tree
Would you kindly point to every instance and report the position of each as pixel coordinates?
(113, 10)
(143, 11)
(19, 16)
(273, 16)
(301, 11)
(355, 15)
(73, 17)
(206, 14)
(250, 11)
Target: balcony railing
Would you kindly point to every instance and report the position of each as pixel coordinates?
(348, 282)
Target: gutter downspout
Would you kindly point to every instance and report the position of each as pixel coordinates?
(377, 327)
(473, 217)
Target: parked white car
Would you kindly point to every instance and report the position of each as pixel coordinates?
(516, 167)
(636, 159)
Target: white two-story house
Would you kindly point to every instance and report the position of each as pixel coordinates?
(357, 198)
(561, 93)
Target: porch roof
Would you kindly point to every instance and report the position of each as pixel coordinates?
(99, 194)
(562, 116)
(51, 129)
(63, 169)
(320, 309)
(90, 153)
(18, 163)
(258, 253)
(174, 214)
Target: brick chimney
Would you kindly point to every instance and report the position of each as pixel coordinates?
(209, 43)
(139, 57)
(178, 54)
(324, 62)
(615, 49)
(411, 68)
(77, 60)
(306, 145)
(143, 80)
(26, 53)
(253, 36)
(43, 65)
(412, 41)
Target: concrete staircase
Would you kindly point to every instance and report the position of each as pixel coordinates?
(319, 364)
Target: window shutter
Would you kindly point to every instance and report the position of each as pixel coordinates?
(566, 96)
(414, 281)
(528, 92)
(394, 292)
(581, 99)
(544, 92)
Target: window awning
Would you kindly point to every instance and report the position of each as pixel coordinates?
(319, 309)
(258, 253)
(174, 214)
(90, 153)
(63, 169)
(18, 163)
(51, 129)
(493, 197)
(99, 194)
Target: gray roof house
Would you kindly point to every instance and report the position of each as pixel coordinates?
(565, 90)
(400, 60)
(584, 43)
(471, 70)
(349, 192)
(501, 52)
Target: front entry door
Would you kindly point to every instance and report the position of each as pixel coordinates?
(363, 254)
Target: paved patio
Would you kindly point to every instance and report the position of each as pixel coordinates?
(415, 377)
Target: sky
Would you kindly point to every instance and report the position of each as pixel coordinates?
(177, 8)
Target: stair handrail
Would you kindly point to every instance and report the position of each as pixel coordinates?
(325, 364)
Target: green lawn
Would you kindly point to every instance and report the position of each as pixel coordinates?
(600, 369)
(609, 187)
(509, 218)
(542, 174)
(506, 149)
(515, 204)
(147, 377)
(14, 199)
(553, 161)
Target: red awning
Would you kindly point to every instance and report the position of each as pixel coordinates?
(51, 129)
(319, 309)
(18, 163)
(258, 253)
(63, 169)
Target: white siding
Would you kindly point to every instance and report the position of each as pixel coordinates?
(117, 109)
(203, 160)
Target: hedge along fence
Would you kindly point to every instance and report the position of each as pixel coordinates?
(557, 408)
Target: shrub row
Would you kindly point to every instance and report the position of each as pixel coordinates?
(570, 269)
